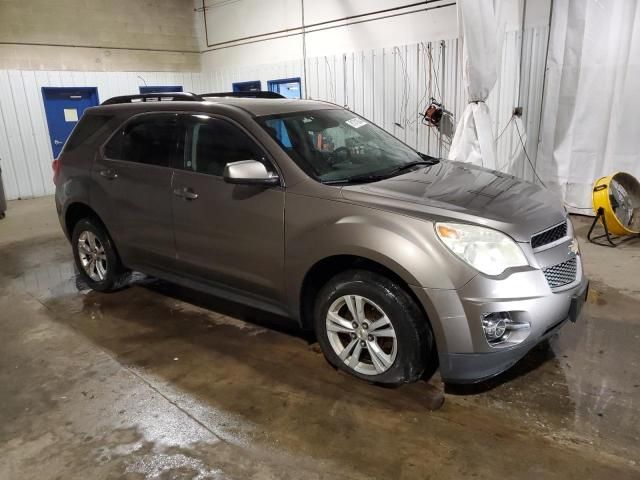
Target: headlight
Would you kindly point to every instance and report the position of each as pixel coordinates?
(489, 251)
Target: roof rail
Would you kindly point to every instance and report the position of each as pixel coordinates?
(260, 94)
(155, 97)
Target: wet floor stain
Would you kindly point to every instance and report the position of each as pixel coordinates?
(157, 381)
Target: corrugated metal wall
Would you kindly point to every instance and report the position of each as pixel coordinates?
(390, 86)
(25, 148)
(393, 86)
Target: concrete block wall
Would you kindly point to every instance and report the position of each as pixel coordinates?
(98, 35)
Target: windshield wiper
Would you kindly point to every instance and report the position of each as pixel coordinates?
(407, 166)
(377, 177)
(356, 179)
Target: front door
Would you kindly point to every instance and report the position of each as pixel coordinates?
(228, 234)
(63, 107)
(134, 174)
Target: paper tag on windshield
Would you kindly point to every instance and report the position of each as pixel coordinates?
(356, 122)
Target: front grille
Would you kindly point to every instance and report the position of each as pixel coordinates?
(549, 236)
(561, 274)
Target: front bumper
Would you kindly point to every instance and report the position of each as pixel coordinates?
(476, 367)
(465, 355)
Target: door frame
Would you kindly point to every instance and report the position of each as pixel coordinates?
(239, 86)
(273, 84)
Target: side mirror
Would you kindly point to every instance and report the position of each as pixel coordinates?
(249, 172)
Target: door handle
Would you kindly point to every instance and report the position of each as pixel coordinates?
(109, 174)
(185, 193)
(190, 194)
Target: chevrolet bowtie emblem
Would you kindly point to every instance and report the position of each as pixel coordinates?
(574, 248)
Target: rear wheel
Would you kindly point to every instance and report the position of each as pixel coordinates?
(96, 258)
(371, 327)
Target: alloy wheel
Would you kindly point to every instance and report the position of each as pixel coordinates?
(361, 334)
(92, 256)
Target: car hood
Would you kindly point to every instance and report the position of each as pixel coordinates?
(464, 192)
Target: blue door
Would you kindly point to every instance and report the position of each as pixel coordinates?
(252, 86)
(63, 107)
(287, 87)
(160, 88)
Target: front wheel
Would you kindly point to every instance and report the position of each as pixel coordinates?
(96, 257)
(370, 327)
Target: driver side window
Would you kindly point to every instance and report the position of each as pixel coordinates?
(211, 143)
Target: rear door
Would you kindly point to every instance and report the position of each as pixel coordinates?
(134, 173)
(231, 234)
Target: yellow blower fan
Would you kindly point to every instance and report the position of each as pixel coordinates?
(616, 202)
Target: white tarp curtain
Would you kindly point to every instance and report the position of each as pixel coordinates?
(591, 112)
(478, 29)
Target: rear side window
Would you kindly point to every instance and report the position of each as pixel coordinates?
(152, 139)
(212, 143)
(87, 129)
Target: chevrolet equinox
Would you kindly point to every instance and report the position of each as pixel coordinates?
(397, 260)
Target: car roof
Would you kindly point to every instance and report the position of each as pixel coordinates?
(272, 106)
(253, 106)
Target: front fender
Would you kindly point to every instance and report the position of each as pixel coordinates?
(407, 246)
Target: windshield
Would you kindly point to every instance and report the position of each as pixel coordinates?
(337, 146)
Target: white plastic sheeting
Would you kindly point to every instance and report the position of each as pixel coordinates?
(590, 126)
(478, 29)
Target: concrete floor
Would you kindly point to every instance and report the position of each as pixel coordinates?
(159, 382)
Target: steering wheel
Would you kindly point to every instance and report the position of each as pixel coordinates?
(334, 156)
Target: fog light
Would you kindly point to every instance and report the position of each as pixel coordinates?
(495, 325)
(501, 329)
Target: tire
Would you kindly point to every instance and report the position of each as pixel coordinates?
(107, 273)
(388, 311)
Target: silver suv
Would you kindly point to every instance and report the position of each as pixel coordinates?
(398, 261)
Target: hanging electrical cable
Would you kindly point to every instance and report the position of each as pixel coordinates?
(436, 71)
(425, 113)
(533, 168)
(505, 127)
(344, 81)
(424, 67)
(404, 103)
(332, 86)
(434, 112)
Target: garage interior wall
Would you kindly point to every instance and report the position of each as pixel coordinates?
(115, 46)
(360, 66)
(398, 22)
(389, 83)
(93, 35)
(25, 148)
(392, 85)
